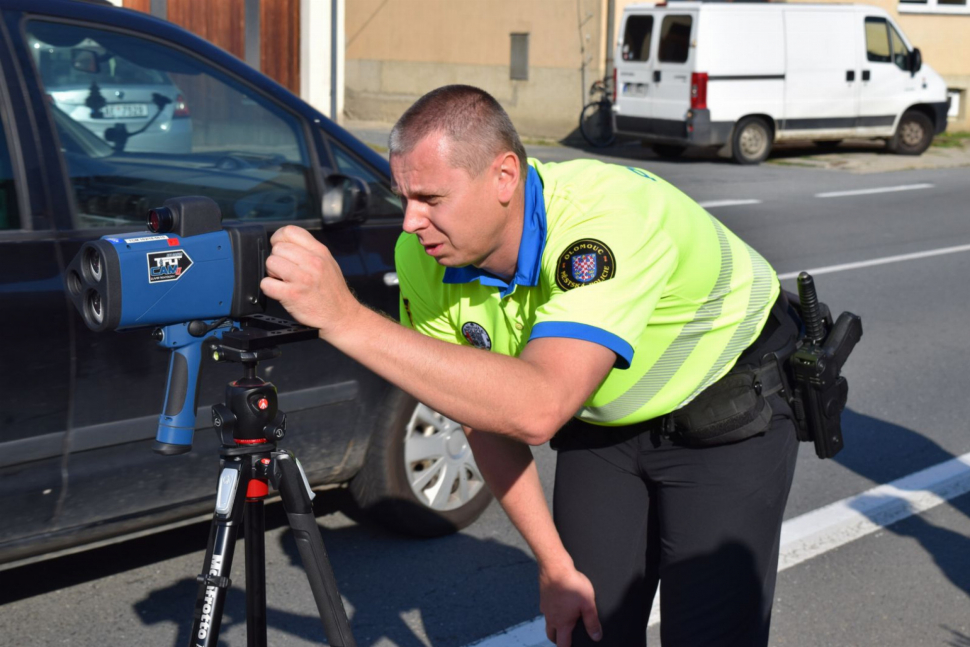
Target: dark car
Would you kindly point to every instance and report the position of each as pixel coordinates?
(80, 409)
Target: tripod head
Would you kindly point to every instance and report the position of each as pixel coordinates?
(247, 341)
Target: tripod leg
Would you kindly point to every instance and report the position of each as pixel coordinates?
(255, 574)
(288, 479)
(214, 581)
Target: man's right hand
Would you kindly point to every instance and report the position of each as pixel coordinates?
(565, 595)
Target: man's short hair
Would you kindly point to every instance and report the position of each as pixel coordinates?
(478, 127)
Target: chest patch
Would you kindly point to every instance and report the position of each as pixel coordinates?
(585, 262)
(476, 335)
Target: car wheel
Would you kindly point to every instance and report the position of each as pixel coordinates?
(751, 141)
(914, 134)
(668, 150)
(419, 477)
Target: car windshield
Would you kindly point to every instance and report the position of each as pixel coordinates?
(140, 122)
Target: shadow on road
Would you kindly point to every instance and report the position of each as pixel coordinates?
(873, 449)
(454, 589)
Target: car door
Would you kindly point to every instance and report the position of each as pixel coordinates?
(822, 79)
(888, 87)
(255, 156)
(35, 361)
(634, 86)
(672, 68)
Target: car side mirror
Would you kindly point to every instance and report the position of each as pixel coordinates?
(915, 61)
(345, 199)
(85, 60)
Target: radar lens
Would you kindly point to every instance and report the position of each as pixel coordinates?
(95, 308)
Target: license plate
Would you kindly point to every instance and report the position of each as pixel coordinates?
(125, 110)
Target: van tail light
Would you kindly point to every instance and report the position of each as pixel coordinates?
(614, 84)
(698, 90)
(181, 108)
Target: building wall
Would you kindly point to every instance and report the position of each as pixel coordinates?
(399, 49)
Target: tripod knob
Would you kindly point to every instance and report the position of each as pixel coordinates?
(276, 429)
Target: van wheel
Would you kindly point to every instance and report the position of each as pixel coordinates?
(419, 477)
(751, 141)
(914, 134)
(668, 150)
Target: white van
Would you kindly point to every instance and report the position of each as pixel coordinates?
(743, 76)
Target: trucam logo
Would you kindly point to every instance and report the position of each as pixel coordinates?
(167, 266)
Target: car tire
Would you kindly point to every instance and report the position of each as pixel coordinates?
(914, 134)
(419, 477)
(669, 151)
(751, 141)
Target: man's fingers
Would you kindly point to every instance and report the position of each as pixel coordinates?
(280, 267)
(293, 234)
(592, 621)
(564, 635)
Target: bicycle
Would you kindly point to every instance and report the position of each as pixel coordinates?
(596, 119)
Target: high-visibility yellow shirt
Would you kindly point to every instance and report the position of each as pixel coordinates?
(612, 255)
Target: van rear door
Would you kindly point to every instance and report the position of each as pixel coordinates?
(633, 69)
(671, 74)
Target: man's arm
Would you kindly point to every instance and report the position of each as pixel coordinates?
(527, 397)
(565, 594)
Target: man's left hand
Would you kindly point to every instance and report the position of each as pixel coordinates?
(304, 277)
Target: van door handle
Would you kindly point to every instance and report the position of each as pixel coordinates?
(865, 75)
(656, 76)
(850, 75)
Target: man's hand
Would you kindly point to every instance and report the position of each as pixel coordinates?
(565, 595)
(303, 276)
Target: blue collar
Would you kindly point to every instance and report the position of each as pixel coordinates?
(530, 246)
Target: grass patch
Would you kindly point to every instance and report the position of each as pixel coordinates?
(539, 141)
(952, 140)
(377, 147)
(790, 162)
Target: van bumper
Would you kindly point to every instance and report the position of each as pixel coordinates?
(939, 114)
(696, 130)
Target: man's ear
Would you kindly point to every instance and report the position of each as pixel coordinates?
(508, 172)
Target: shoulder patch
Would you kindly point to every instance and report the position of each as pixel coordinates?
(476, 335)
(585, 262)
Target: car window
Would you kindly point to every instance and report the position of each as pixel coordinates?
(674, 39)
(9, 211)
(636, 38)
(900, 51)
(382, 202)
(140, 122)
(877, 41)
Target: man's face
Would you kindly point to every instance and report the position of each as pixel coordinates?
(459, 219)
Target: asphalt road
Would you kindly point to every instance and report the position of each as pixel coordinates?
(906, 583)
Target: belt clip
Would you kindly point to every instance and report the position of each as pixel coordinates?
(667, 427)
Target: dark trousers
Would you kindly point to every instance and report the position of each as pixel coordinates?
(636, 509)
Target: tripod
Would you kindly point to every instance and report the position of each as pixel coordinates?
(250, 423)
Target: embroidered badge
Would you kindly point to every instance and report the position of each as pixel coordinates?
(476, 335)
(585, 262)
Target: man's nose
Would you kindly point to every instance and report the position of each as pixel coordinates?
(415, 218)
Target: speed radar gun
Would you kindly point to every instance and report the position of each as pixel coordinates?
(195, 285)
(820, 392)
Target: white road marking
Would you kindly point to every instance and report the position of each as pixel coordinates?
(819, 531)
(878, 261)
(884, 189)
(726, 203)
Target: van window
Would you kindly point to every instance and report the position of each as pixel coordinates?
(636, 38)
(877, 41)
(675, 39)
(900, 51)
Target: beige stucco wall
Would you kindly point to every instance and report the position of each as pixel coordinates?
(399, 49)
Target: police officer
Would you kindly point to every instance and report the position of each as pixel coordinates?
(599, 305)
